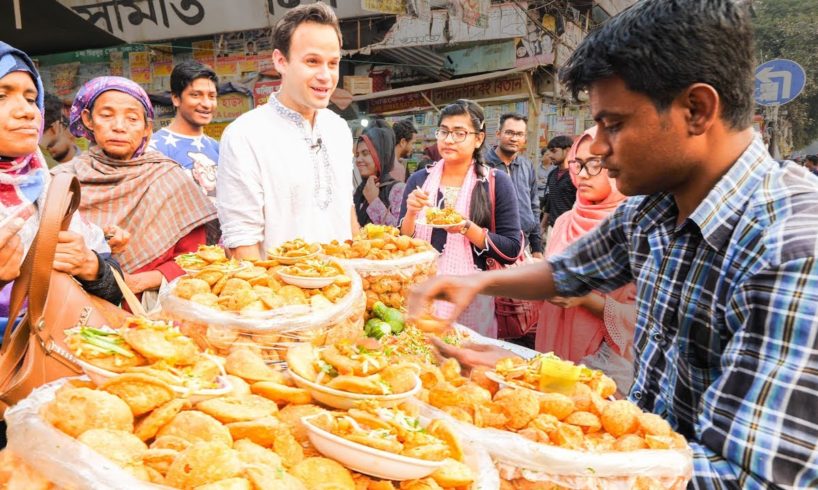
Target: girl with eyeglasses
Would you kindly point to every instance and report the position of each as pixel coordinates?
(596, 329)
(459, 180)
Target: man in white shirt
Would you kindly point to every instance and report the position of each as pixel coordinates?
(285, 167)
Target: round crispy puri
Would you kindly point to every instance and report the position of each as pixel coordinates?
(160, 344)
(291, 417)
(250, 366)
(266, 478)
(261, 431)
(147, 427)
(240, 387)
(252, 454)
(228, 484)
(301, 358)
(202, 463)
(76, 410)
(141, 392)
(195, 426)
(453, 474)
(323, 474)
(121, 447)
(175, 443)
(159, 459)
(229, 409)
(281, 393)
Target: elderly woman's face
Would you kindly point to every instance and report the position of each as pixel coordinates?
(20, 118)
(118, 122)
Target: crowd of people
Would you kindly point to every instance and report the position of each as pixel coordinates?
(698, 294)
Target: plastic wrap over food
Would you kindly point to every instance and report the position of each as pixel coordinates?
(518, 457)
(388, 281)
(269, 331)
(66, 462)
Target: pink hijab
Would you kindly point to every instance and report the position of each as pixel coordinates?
(573, 333)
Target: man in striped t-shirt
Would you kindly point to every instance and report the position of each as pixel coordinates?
(721, 241)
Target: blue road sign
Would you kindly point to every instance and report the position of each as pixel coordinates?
(778, 82)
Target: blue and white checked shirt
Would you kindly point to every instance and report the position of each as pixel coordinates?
(727, 331)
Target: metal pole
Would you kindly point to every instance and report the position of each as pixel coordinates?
(18, 19)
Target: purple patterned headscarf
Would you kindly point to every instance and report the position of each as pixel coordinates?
(94, 88)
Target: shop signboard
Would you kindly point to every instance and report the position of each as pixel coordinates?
(384, 6)
(150, 20)
(396, 103)
(485, 89)
(232, 105)
(262, 91)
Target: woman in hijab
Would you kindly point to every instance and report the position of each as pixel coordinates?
(378, 198)
(82, 250)
(596, 329)
(141, 191)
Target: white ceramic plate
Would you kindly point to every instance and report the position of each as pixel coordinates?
(367, 460)
(100, 376)
(422, 221)
(307, 282)
(345, 400)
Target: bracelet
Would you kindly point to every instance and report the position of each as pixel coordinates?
(465, 228)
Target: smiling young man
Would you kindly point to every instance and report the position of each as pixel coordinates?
(285, 168)
(193, 89)
(719, 238)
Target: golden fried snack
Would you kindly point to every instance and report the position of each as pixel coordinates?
(203, 462)
(556, 404)
(288, 448)
(121, 447)
(478, 376)
(160, 342)
(251, 453)
(210, 276)
(300, 359)
(291, 417)
(211, 253)
(568, 436)
(423, 484)
(453, 474)
(91, 345)
(400, 377)
(77, 410)
(443, 431)
(266, 478)
(227, 409)
(159, 459)
(174, 443)
(228, 484)
(545, 422)
(519, 406)
(586, 421)
(141, 392)
(323, 474)
(205, 299)
(281, 393)
(382, 444)
(355, 384)
(629, 442)
(187, 287)
(654, 425)
(194, 426)
(148, 426)
(620, 417)
(250, 366)
(262, 431)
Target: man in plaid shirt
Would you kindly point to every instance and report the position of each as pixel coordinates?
(721, 242)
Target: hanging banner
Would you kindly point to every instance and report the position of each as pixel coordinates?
(139, 63)
(384, 6)
(262, 91)
(152, 20)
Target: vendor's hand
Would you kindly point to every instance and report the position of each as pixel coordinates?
(74, 257)
(417, 200)
(117, 238)
(371, 189)
(143, 281)
(458, 228)
(568, 302)
(471, 354)
(459, 290)
(11, 250)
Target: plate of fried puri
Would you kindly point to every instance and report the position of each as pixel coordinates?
(345, 373)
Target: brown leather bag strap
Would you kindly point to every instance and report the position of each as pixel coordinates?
(62, 200)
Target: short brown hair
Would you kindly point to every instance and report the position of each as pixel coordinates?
(319, 13)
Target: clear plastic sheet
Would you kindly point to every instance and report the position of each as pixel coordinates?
(518, 457)
(389, 280)
(60, 458)
(271, 330)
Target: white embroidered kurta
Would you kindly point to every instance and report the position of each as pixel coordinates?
(280, 179)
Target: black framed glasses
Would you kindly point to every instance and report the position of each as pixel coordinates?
(514, 134)
(458, 135)
(592, 166)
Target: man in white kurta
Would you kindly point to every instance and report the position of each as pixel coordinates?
(285, 168)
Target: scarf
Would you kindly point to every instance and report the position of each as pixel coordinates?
(573, 333)
(456, 258)
(89, 93)
(150, 196)
(380, 141)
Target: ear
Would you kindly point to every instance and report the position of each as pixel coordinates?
(176, 100)
(480, 138)
(279, 61)
(702, 106)
(87, 120)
